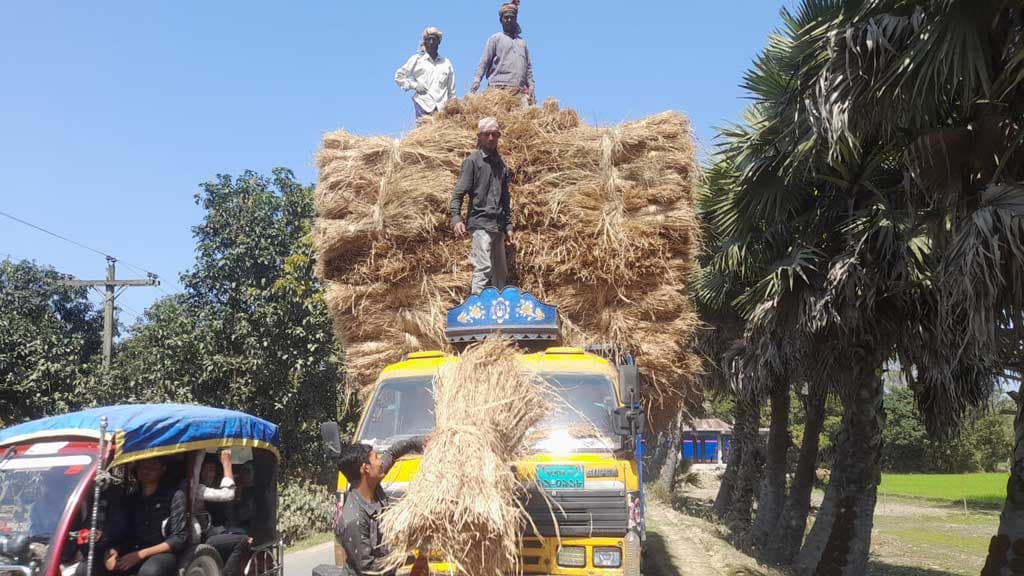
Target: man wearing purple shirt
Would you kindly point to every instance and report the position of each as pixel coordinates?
(506, 60)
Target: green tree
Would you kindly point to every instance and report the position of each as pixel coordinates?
(251, 331)
(875, 205)
(49, 333)
(993, 437)
(905, 438)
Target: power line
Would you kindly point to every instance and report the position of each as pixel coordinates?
(79, 244)
(123, 308)
(143, 271)
(110, 285)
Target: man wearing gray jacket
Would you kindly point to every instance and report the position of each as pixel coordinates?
(484, 178)
(358, 529)
(506, 60)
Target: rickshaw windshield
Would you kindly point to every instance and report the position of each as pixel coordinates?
(34, 492)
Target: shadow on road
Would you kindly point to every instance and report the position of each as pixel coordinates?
(657, 560)
(876, 568)
(695, 507)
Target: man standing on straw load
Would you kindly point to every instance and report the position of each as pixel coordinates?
(358, 528)
(429, 76)
(506, 60)
(484, 178)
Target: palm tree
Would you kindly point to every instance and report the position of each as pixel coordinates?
(869, 234)
(944, 81)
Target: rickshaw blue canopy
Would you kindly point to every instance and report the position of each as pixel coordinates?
(141, 431)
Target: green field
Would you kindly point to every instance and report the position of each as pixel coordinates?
(983, 489)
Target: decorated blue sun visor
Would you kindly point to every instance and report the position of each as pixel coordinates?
(146, 430)
(509, 313)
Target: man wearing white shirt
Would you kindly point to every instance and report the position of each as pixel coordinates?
(430, 77)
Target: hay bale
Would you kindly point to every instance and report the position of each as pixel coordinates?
(471, 515)
(606, 230)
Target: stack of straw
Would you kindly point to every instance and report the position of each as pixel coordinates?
(605, 224)
(465, 502)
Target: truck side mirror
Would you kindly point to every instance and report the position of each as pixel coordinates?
(629, 384)
(628, 421)
(621, 421)
(331, 435)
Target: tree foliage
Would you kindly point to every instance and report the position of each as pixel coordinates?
(48, 334)
(868, 209)
(984, 442)
(251, 330)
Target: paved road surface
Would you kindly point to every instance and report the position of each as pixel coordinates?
(301, 563)
(677, 545)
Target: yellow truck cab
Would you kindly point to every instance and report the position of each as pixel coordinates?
(594, 524)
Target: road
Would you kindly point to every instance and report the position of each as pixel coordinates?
(301, 563)
(678, 545)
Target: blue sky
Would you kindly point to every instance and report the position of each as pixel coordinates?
(111, 113)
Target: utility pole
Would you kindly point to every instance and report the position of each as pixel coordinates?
(110, 285)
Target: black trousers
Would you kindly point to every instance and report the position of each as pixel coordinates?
(165, 564)
(233, 549)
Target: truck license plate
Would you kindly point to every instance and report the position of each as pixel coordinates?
(560, 476)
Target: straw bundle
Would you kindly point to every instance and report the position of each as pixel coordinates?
(470, 513)
(605, 229)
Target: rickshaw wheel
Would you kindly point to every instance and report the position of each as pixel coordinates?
(205, 562)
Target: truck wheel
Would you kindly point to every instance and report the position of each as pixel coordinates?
(205, 562)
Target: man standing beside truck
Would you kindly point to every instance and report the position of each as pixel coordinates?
(484, 178)
(358, 528)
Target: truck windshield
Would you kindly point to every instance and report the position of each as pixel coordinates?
(581, 418)
(34, 491)
(402, 407)
(584, 405)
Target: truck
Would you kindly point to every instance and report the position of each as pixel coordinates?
(592, 519)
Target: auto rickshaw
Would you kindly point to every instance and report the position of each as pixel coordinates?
(54, 473)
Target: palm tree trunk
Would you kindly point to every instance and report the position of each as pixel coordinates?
(667, 474)
(653, 462)
(728, 485)
(773, 488)
(741, 508)
(1006, 550)
(789, 531)
(840, 539)
(727, 489)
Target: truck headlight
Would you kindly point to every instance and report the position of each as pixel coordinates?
(572, 556)
(607, 557)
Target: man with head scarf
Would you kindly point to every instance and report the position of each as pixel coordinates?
(506, 60)
(484, 178)
(429, 76)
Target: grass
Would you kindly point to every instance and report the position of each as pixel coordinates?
(914, 538)
(981, 490)
(311, 541)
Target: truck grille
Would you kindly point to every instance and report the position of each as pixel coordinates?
(578, 513)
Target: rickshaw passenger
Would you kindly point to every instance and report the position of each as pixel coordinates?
(146, 550)
(110, 527)
(208, 479)
(239, 513)
(210, 499)
(231, 547)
